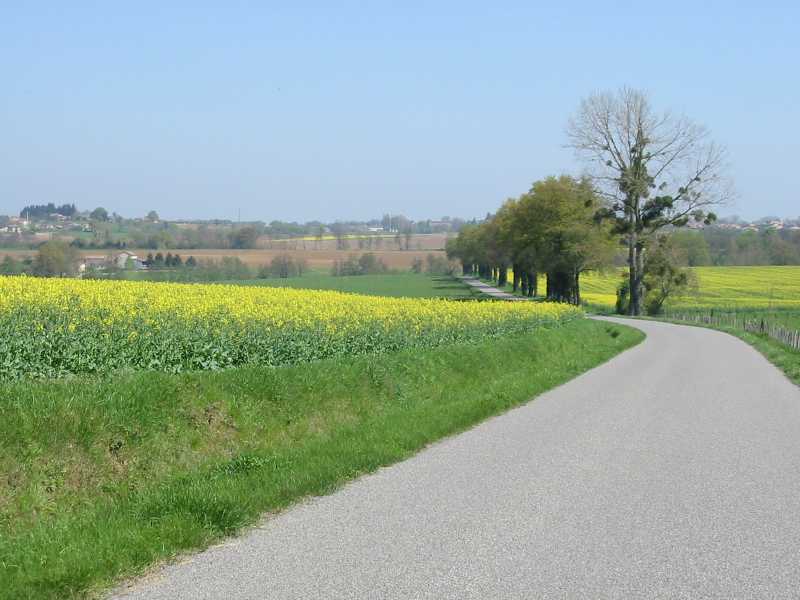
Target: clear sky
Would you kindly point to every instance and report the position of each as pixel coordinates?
(305, 110)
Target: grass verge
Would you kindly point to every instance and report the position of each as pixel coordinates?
(100, 479)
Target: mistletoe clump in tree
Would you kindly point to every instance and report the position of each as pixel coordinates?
(655, 170)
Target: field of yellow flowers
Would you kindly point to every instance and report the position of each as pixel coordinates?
(57, 327)
(759, 287)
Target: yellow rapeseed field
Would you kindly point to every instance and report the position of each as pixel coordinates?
(54, 327)
(763, 287)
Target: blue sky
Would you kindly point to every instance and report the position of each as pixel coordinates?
(328, 110)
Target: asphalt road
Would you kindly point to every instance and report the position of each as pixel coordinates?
(672, 471)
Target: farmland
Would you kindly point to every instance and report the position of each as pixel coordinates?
(56, 327)
(129, 470)
(182, 412)
(410, 285)
(318, 254)
(761, 288)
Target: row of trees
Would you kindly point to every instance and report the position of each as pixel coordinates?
(43, 211)
(647, 173)
(549, 230)
(54, 259)
(366, 264)
(434, 264)
(725, 247)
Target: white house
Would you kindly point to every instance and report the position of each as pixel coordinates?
(121, 260)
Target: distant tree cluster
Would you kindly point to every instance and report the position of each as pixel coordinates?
(434, 264)
(244, 238)
(283, 266)
(14, 266)
(550, 230)
(43, 211)
(53, 259)
(168, 260)
(725, 247)
(99, 214)
(366, 264)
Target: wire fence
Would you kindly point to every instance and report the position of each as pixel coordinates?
(758, 325)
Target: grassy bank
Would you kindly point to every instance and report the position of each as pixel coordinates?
(101, 478)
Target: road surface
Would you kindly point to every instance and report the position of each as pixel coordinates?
(672, 471)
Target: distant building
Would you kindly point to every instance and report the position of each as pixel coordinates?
(97, 263)
(441, 225)
(125, 259)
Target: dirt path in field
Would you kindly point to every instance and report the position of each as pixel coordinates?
(669, 472)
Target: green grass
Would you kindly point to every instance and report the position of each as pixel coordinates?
(411, 285)
(783, 357)
(101, 478)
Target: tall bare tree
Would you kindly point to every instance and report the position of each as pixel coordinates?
(656, 169)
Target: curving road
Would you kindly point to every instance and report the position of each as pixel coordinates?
(672, 471)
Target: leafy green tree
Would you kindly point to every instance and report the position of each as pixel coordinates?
(99, 214)
(663, 278)
(691, 248)
(369, 263)
(244, 238)
(551, 229)
(437, 265)
(11, 266)
(56, 259)
(284, 266)
(556, 229)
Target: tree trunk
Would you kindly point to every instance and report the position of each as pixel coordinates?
(562, 286)
(635, 279)
(502, 276)
(516, 276)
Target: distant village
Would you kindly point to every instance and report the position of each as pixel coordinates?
(768, 223)
(108, 242)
